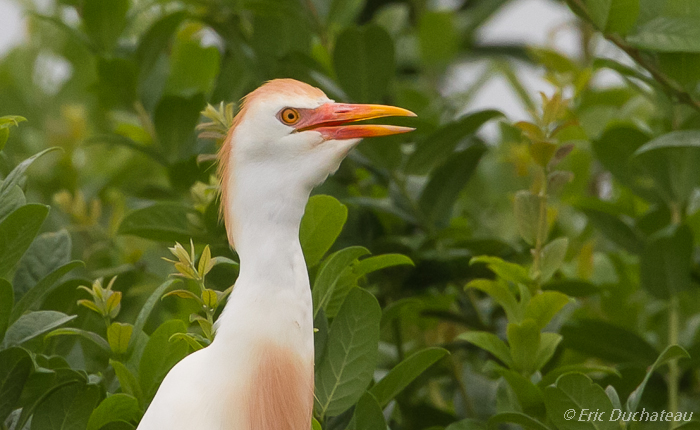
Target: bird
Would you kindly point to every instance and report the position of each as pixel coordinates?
(258, 372)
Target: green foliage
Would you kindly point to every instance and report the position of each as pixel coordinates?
(364, 61)
(323, 220)
(575, 232)
(165, 222)
(17, 232)
(350, 354)
(576, 391)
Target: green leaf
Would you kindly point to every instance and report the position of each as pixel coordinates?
(118, 336)
(527, 215)
(15, 367)
(13, 199)
(189, 339)
(7, 299)
(147, 308)
(165, 222)
(625, 71)
(613, 396)
(53, 374)
(440, 145)
(572, 287)
(17, 232)
(116, 407)
(379, 262)
(672, 352)
(607, 341)
(680, 8)
(499, 292)
(524, 340)
(67, 408)
(117, 84)
(160, 355)
(548, 346)
(35, 296)
(551, 377)
(33, 324)
(321, 224)
(339, 273)
(175, 119)
(576, 391)
(527, 422)
(105, 20)
(363, 59)
(282, 30)
(668, 34)
(156, 40)
(404, 373)
(615, 149)
(599, 11)
(351, 354)
(447, 181)
(529, 395)
(185, 294)
(489, 342)
(48, 252)
(505, 270)
(553, 255)
(11, 120)
(666, 261)
(544, 306)
(5, 123)
(438, 37)
(14, 177)
(622, 16)
(92, 337)
(650, 9)
(330, 275)
(315, 425)
(193, 67)
(616, 229)
(681, 67)
(320, 336)
(343, 12)
(368, 414)
(672, 160)
(128, 382)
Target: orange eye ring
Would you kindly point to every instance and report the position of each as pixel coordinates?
(289, 116)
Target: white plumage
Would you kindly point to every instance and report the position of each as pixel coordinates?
(258, 372)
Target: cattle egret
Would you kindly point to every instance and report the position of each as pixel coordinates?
(258, 373)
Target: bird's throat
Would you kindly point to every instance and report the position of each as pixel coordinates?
(272, 295)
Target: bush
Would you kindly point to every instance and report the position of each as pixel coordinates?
(491, 280)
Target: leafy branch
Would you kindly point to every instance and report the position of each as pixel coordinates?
(671, 87)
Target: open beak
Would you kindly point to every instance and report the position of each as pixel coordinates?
(331, 120)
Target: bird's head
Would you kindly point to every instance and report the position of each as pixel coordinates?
(292, 125)
(290, 134)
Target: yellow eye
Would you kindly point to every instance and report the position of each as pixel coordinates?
(289, 116)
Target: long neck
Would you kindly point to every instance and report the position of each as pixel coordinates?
(266, 210)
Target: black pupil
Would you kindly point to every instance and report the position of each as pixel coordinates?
(290, 115)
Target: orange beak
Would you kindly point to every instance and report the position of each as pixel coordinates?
(331, 120)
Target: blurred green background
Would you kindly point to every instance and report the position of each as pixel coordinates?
(581, 203)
